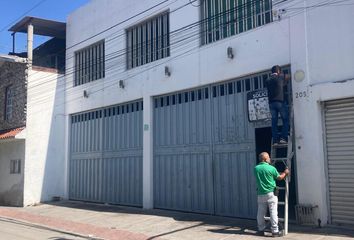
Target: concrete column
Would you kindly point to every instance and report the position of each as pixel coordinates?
(13, 42)
(30, 44)
(148, 191)
(311, 181)
(67, 154)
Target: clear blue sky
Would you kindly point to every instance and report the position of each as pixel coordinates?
(11, 10)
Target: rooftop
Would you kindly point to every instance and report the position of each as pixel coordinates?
(43, 27)
(11, 58)
(7, 134)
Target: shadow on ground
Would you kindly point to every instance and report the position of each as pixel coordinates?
(217, 224)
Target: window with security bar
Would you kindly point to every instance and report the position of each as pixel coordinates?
(225, 18)
(90, 63)
(9, 99)
(148, 41)
(15, 166)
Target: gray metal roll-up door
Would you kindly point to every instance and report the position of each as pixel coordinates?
(339, 124)
(106, 155)
(183, 177)
(204, 150)
(234, 150)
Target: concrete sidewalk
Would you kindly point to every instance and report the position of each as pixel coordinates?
(94, 221)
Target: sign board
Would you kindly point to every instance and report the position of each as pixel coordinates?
(258, 105)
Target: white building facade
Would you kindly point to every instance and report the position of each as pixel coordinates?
(155, 102)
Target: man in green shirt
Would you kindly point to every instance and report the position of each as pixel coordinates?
(266, 175)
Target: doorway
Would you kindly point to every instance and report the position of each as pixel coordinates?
(263, 144)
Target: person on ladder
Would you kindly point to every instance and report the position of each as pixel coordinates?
(277, 104)
(266, 175)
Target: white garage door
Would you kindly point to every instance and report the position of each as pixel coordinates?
(339, 123)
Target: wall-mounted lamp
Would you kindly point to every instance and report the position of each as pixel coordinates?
(167, 71)
(121, 84)
(230, 53)
(86, 95)
(277, 14)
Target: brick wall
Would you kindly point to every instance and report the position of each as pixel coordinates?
(13, 74)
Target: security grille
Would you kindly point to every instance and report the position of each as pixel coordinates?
(90, 63)
(225, 18)
(9, 103)
(305, 214)
(15, 166)
(148, 41)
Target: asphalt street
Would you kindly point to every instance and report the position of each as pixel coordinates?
(21, 231)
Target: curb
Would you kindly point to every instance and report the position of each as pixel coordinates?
(44, 227)
(83, 230)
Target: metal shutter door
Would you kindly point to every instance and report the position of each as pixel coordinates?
(183, 177)
(339, 123)
(107, 155)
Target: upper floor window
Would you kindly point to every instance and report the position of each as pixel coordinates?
(225, 18)
(9, 98)
(148, 41)
(90, 63)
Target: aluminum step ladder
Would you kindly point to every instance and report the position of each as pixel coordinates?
(282, 154)
(285, 162)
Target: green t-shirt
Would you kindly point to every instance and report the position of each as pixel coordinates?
(266, 175)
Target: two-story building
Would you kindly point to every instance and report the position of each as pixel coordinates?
(12, 122)
(156, 112)
(156, 106)
(159, 117)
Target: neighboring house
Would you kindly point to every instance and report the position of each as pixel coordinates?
(31, 122)
(12, 122)
(156, 107)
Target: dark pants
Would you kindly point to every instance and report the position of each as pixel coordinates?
(275, 109)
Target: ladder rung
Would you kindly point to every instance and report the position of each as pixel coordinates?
(281, 188)
(281, 203)
(280, 159)
(268, 219)
(285, 145)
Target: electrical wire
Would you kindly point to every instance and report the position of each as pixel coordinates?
(197, 5)
(155, 66)
(64, 50)
(245, 17)
(24, 14)
(215, 27)
(123, 51)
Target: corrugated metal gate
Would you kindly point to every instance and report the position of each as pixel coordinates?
(204, 150)
(106, 155)
(339, 123)
(183, 178)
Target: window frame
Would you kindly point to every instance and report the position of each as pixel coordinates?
(8, 115)
(88, 65)
(15, 166)
(222, 19)
(153, 50)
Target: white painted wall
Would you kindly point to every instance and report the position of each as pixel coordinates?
(319, 41)
(256, 50)
(11, 185)
(45, 150)
(322, 45)
(190, 64)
